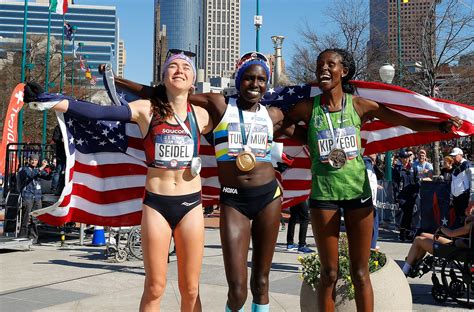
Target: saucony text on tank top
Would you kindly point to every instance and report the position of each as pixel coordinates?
(228, 135)
(169, 146)
(328, 183)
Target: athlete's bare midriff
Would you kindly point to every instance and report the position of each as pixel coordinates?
(172, 182)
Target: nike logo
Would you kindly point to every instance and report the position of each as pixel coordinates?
(189, 204)
(362, 200)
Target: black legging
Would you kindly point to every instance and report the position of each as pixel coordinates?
(299, 212)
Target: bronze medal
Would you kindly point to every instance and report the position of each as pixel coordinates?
(246, 160)
(337, 158)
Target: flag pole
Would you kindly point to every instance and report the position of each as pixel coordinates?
(73, 59)
(61, 82)
(46, 82)
(23, 68)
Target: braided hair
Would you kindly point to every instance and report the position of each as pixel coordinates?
(348, 62)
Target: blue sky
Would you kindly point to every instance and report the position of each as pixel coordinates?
(280, 17)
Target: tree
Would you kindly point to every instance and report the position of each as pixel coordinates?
(447, 34)
(352, 32)
(10, 71)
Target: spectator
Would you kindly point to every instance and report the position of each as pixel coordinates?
(447, 170)
(460, 183)
(423, 169)
(299, 212)
(28, 178)
(424, 243)
(405, 179)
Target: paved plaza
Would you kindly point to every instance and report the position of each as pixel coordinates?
(79, 278)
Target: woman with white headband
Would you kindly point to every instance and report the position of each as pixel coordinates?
(171, 129)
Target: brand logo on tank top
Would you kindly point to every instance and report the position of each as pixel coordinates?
(173, 131)
(229, 190)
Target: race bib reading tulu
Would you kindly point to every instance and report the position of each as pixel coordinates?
(257, 140)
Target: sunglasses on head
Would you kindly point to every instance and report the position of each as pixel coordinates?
(252, 56)
(179, 51)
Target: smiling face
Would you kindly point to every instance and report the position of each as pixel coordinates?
(253, 84)
(179, 75)
(329, 70)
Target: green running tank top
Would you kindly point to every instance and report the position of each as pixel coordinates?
(328, 183)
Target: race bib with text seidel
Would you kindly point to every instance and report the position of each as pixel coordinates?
(257, 140)
(346, 139)
(173, 151)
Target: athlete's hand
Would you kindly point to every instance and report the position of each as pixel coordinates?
(31, 92)
(450, 125)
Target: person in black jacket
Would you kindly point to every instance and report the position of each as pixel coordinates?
(405, 179)
(30, 187)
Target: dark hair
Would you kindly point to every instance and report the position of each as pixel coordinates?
(348, 62)
(160, 106)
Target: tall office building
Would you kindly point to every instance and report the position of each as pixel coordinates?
(384, 29)
(377, 52)
(96, 35)
(178, 25)
(221, 37)
(122, 59)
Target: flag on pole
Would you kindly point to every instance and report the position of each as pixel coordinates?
(58, 6)
(68, 31)
(105, 171)
(93, 80)
(88, 74)
(82, 64)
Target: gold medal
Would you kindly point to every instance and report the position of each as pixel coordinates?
(337, 158)
(246, 160)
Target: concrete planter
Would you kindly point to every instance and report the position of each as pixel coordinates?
(391, 292)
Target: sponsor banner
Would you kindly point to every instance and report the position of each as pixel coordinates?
(10, 126)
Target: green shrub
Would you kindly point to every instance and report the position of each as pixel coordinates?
(311, 267)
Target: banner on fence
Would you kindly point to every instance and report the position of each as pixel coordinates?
(435, 208)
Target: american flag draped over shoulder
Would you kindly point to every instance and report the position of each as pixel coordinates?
(106, 171)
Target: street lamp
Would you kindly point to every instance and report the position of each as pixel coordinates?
(387, 72)
(277, 44)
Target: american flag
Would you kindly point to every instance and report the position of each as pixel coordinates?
(106, 171)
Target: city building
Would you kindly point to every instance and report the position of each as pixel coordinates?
(383, 43)
(211, 31)
(178, 25)
(96, 36)
(122, 59)
(221, 37)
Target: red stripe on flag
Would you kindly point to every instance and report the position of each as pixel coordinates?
(107, 197)
(111, 170)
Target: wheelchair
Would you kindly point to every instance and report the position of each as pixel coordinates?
(452, 270)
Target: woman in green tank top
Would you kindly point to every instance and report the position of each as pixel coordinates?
(339, 178)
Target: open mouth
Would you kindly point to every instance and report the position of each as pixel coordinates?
(324, 78)
(253, 93)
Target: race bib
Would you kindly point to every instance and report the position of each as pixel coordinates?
(346, 139)
(257, 141)
(173, 151)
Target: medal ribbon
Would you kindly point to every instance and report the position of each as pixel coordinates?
(242, 125)
(328, 117)
(192, 122)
